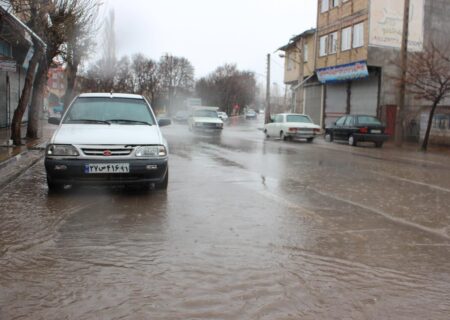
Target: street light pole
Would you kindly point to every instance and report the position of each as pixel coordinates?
(400, 118)
(267, 111)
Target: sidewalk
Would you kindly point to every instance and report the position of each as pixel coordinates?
(9, 152)
(14, 160)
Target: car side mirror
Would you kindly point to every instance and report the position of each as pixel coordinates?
(164, 122)
(54, 120)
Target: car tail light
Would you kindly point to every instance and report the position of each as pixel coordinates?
(293, 129)
(363, 130)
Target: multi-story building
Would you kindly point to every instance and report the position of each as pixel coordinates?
(56, 85)
(299, 74)
(357, 59)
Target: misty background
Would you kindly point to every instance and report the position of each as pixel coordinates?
(210, 33)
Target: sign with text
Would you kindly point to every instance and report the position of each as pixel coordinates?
(8, 66)
(386, 24)
(345, 72)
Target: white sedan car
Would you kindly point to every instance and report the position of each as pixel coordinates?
(290, 126)
(107, 139)
(205, 119)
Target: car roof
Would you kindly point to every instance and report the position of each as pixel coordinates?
(293, 114)
(110, 95)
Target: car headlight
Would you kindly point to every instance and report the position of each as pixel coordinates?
(61, 150)
(151, 151)
(219, 125)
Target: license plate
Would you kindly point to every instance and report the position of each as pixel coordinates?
(375, 131)
(107, 168)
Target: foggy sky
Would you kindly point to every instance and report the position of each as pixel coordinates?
(210, 33)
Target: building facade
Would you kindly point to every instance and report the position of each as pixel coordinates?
(357, 59)
(299, 75)
(16, 51)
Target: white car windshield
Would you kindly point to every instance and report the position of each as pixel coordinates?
(205, 113)
(109, 110)
(298, 118)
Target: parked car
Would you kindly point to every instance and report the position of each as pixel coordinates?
(222, 115)
(290, 126)
(357, 128)
(107, 138)
(205, 119)
(182, 116)
(251, 114)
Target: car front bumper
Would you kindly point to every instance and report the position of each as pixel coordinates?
(72, 171)
(370, 137)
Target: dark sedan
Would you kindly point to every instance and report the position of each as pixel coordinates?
(357, 128)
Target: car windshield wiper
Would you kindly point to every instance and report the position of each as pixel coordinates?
(89, 121)
(130, 121)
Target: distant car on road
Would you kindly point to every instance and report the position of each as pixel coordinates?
(222, 115)
(181, 116)
(107, 138)
(357, 128)
(292, 126)
(205, 119)
(251, 114)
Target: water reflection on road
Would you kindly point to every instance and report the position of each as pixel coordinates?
(248, 229)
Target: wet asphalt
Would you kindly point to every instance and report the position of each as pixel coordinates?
(249, 228)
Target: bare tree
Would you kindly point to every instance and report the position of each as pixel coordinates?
(49, 20)
(227, 86)
(80, 30)
(146, 77)
(177, 75)
(428, 79)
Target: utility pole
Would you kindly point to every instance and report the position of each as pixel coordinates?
(267, 111)
(400, 118)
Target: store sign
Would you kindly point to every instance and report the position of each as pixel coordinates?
(8, 66)
(386, 24)
(345, 72)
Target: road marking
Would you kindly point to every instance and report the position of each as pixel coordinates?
(437, 232)
(432, 186)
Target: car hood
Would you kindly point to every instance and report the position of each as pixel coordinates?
(107, 134)
(206, 120)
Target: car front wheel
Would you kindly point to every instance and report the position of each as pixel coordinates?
(163, 185)
(53, 186)
(352, 141)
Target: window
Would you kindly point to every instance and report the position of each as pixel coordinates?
(348, 121)
(279, 118)
(323, 46)
(358, 35)
(335, 3)
(340, 121)
(305, 53)
(346, 39)
(5, 48)
(332, 38)
(325, 6)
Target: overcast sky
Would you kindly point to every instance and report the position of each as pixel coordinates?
(210, 33)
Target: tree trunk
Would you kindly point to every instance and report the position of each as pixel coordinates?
(16, 134)
(37, 100)
(430, 121)
(70, 90)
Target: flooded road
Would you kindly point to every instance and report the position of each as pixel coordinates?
(248, 229)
